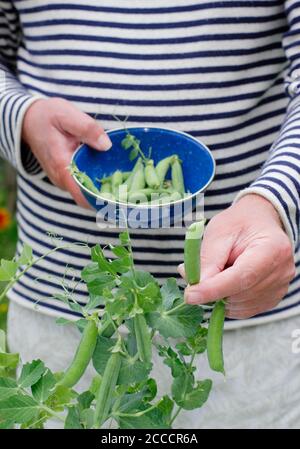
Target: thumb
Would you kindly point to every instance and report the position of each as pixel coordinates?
(84, 128)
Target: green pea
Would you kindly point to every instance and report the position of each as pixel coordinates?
(151, 177)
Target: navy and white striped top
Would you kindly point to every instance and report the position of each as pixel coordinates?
(226, 71)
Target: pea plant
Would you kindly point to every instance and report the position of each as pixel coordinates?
(128, 318)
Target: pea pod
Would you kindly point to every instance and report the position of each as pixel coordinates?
(107, 387)
(192, 248)
(162, 168)
(151, 177)
(128, 181)
(192, 270)
(86, 181)
(116, 180)
(106, 187)
(82, 357)
(144, 195)
(107, 196)
(138, 180)
(126, 175)
(143, 339)
(177, 176)
(215, 338)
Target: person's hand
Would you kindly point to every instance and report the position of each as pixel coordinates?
(246, 257)
(53, 129)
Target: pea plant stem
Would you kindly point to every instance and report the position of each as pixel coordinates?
(176, 308)
(180, 408)
(34, 262)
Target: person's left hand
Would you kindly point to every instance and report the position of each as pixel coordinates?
(246, 257)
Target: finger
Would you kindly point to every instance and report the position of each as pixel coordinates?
(84, 128)
(215, 251)
(71, 186)
(181, 270)
(252, 266)
(251, 311)
(270, 284)
(258, 299)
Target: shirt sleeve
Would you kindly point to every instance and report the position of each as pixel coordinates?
(279, 181)
(14, 99)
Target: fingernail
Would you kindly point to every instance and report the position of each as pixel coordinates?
(104, 142)
(192, 297)
(180, 269)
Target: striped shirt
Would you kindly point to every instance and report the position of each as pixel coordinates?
(228, 72)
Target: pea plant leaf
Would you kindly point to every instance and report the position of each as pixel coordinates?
(8, 269)
(6, 424)
(102, 353)
(26, 256)
(73, 419)
(172, 360)
(182, 322)
(19, 408)
(97, 280)
(60, 397)
(170, 292)
(68, 299)
(198, 341)
(31, 373)
(2, 341)
(85, 399)
(42, 389)
(8, 387)
(132, 372)
(8, 360)
(182, 385)
(198, 395)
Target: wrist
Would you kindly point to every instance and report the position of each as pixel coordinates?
(257, 202)
(27, 124)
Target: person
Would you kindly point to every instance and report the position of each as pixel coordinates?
(229, 74)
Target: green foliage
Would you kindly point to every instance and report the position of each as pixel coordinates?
(137, 314)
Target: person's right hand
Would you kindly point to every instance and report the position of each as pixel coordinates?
(53, 129)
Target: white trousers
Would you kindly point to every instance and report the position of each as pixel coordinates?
(262, 386)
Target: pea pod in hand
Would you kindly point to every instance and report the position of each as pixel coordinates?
(192, 248)
(215, 338)
(192, 270)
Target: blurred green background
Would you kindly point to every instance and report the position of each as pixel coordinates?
(8, 228)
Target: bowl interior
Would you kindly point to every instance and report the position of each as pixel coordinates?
(197, 162)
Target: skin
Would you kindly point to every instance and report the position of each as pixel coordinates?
(246, 257)
(53, 129)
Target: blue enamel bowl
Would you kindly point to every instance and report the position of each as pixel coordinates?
(197, 163)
